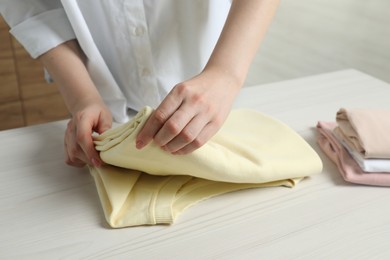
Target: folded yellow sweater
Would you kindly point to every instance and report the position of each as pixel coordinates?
(250, 150)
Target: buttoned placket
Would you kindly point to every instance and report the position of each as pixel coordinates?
(140, 42)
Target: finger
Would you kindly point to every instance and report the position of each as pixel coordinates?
(149, 130)
(174, 126)
(74, 162)
(188, 134)
(105, 123)
(85, 141)
(70, 156)
(207, 132)
(156, 120)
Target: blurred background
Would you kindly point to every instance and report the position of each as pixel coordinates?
(25, 97)
(310, 37)
(306, 37)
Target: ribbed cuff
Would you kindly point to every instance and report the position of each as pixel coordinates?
(166, 196)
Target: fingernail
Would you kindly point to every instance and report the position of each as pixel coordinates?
(139, 144)
(96, 162)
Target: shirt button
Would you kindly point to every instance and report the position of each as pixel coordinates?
(138, 31)
(145, 72)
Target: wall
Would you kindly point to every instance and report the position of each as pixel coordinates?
(315, 36)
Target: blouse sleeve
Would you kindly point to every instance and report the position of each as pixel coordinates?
(39, 25)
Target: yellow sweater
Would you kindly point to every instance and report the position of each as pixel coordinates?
(150, 186)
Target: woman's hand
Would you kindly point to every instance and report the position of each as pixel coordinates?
(191, 113)
(79, 146)
(195, 109)
(66, 64)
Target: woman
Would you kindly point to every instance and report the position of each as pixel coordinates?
(188, 59)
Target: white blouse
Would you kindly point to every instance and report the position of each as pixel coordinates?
(137, 50)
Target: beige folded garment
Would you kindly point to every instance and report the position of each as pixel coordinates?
(366, 131)
(250, 150)
(133, 198)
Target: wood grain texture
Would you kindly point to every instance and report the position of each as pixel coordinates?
(48, 108)
(49, 210)
(9, 90)
(26, 98)
(11, 115)
(30, 74)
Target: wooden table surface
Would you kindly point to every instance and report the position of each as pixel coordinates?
(49, 210)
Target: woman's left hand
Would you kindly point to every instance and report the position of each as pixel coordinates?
(191, 113)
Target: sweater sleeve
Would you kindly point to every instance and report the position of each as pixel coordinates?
(39, 25)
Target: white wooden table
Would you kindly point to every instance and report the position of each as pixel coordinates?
(49, 210)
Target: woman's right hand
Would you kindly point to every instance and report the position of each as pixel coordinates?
(79, 146)
(66, 63)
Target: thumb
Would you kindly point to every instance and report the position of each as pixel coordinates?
(105, 122)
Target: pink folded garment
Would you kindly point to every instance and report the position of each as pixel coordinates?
(366, 131)
(347, 166)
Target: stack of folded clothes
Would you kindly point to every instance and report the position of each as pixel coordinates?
(359, 143)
